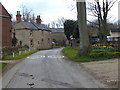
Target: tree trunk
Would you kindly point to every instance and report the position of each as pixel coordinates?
(82, 24)
(105, 33)
(100, 30)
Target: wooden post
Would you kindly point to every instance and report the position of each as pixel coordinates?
(1, 53)
(19, 52)
(13, 54)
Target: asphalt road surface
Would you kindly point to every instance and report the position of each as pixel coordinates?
(49, 69)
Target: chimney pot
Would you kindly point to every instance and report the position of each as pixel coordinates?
(18, 17)
(38, 20)
(18, 12)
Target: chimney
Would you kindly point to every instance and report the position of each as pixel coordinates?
(38, 20)
(18, 17)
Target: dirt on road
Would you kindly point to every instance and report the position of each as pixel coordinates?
(105, 71)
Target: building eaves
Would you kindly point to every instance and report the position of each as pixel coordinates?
(115, 30)
(57, 30)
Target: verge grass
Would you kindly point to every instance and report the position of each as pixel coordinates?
(2, 66)
(17, 56)
(96, 54)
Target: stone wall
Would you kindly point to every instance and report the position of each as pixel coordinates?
(35, 39)
(10, 50)
(59, 37)
(42, 39)
(23, 37)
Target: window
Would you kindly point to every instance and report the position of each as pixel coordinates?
(10, 31)
(54, 40)
(20, 43)
(42, 40)
(48, 40)
(30, 32)
(42, 32)
(31, 43)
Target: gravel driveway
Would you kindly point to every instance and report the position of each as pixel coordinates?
(105, 71)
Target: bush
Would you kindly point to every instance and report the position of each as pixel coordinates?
(56, 44)
(103, 52)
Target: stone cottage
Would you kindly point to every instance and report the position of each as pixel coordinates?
(58, 35)
(33, 34)
(5, 27)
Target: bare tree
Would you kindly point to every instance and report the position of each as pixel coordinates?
(82, 24)
(57, 25)
(53, 24)
(100, 10)
(60, 21)
(27, 13)
(48, 25)
(33, 17)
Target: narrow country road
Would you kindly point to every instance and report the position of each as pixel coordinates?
(49, 69)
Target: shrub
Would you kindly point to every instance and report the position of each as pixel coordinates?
(56, 44)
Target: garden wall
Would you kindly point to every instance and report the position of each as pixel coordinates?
(10, 50)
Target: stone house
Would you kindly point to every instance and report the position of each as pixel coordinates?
(5, 27)
(34, 35)
(58, 35)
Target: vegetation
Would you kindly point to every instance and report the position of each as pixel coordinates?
(2, 66)
(56, 44)
(14, 39)
(71, 29)
(17, 56)
(100, 9)
(97, 53)
(9, 50)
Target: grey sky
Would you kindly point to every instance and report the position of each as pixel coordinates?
(50, 9)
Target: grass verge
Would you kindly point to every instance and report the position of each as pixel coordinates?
(2, 66)
(17, 56)
(96, 54)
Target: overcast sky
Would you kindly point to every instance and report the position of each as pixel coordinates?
(50, 9)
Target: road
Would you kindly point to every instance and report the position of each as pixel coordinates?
(49, 69)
